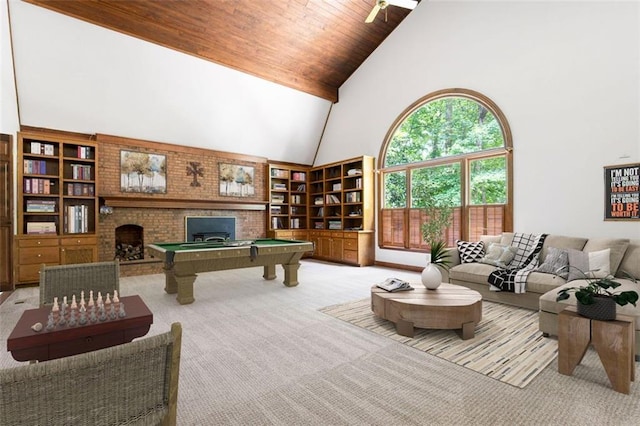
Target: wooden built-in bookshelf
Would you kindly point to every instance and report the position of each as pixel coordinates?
(57, 202)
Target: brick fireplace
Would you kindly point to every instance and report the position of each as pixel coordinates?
(145, 225)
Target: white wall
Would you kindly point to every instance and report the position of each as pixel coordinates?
(8, 104)
(566, 75)
(79, 77)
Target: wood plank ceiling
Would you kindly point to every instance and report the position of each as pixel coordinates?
(309, 45)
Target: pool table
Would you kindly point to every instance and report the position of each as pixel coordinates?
(182, 261)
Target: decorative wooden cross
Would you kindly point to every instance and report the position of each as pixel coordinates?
(194, 169)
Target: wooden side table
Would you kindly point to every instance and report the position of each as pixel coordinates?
(614, 341)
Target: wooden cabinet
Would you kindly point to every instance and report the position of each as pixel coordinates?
(287, 197)
(80, 249)
(57, 202)
(352, 247)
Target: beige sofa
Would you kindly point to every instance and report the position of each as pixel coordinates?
(542, 288)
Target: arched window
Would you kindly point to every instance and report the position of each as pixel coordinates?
(452, 147)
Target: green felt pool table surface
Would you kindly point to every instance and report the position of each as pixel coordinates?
(183, 260)
(201, 245)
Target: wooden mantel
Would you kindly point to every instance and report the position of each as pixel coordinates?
(169, 203)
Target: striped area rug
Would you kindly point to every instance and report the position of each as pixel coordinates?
(507, 345)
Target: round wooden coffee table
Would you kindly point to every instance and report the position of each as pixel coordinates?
(449, 307)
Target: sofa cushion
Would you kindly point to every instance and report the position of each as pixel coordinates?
(499, 255)
(538, 282)
(556, 262)
(618, 247)
(488, 239)
(631, 261)
(584, 264)
(561, 242)
(471, 272)
(470, 251)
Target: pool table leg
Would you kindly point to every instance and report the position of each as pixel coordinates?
(291, 274)
(269, 272)
(182, 285)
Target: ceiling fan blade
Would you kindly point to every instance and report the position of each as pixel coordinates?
(407, 4)
(373, 14)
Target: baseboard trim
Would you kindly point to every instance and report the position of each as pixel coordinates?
(399, 266)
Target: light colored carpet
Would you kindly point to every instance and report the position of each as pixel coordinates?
(255, 352)
(507, 345)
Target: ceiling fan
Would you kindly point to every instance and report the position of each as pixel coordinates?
(383, 4)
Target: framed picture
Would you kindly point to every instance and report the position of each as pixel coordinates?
(143, 172)
(236, 180)
(622, 192)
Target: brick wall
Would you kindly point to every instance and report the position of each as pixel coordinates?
(167, 224)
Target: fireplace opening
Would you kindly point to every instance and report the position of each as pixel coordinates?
(129, 243)
(209, 228)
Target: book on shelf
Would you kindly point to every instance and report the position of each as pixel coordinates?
(76, 219)
(35, 147)
(81, 171)
(277, 198)
(276, 223)
(37, 186)
(332, 199)
(299, 176)
(335, 224)
(80, 189)
(41, 148)
(280, 173)
(35, 167)
(302, 187)
(41, 228)
(276, 209)
(41, 206)
(318, 201)
(295, 223)
(84, 152)
(394, 284)
(353, 197)
(279, 186)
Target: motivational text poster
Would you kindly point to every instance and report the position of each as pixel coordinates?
(622, 192)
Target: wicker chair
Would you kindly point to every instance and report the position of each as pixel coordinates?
(134, 383)
(67, 280)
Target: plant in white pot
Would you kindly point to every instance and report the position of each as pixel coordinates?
(438, 219)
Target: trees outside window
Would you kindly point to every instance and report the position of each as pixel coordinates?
(453, 148)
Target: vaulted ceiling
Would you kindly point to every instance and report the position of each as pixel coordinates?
(309, 45)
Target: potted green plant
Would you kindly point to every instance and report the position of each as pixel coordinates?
(439, 218)
(598, 298)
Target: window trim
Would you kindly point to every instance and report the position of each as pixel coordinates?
(464, 159)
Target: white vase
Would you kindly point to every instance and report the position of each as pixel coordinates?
(431, 276)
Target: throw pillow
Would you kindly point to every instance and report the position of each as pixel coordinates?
(556, 262)
(499, 255)
(595, 264)
(470, 252)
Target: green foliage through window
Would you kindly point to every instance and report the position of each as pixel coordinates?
(450, 150)
(441, 128)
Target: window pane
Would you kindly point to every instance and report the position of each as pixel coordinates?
(488, 181)
(395, 190)
(442, 128)
(440, 184)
